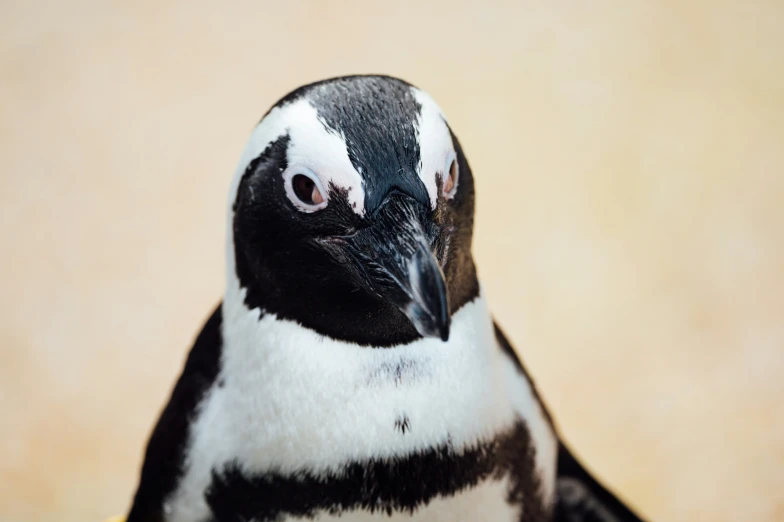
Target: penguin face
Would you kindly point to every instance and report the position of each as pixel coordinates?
(352, 213)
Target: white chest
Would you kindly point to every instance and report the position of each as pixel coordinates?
(292, 400)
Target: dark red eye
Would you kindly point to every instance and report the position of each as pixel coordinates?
(451, 179)
(306, 190)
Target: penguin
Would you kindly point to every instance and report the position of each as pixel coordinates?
(353, 370)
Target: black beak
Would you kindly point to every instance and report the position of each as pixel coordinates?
(427, 303)
(395, 255)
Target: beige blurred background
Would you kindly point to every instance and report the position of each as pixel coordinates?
(630, 169)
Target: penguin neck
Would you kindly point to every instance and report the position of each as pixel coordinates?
(246, 328)
(442, 392)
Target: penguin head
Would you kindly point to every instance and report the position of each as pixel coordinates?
(351, 213)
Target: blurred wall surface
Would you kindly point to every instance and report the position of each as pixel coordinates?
(629, 159)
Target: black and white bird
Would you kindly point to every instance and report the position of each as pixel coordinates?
(353, 370)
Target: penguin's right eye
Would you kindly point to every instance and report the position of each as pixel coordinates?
(304, 190)
(450, 183)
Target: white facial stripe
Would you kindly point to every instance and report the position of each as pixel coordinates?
(324, 152)
(312, 146)
(435, 142)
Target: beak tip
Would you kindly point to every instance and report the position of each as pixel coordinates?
(445, 334)
(426, 325)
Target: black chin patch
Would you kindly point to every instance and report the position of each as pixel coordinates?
(398, 485)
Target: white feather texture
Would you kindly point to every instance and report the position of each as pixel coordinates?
(435, 143)
(294, 399)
